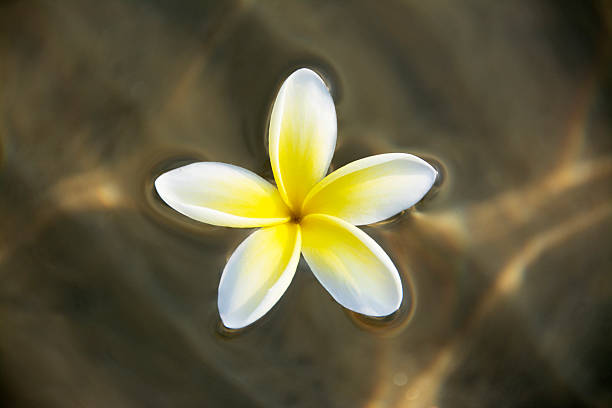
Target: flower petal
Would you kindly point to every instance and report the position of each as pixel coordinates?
(258, 273)
(372, 189)
(302, 135)
(353, 268)
(222, 194)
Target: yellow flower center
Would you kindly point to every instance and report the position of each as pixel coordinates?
(296, 215)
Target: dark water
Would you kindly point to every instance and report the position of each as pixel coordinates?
(108, 297)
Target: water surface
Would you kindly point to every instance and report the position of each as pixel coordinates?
(108, 297)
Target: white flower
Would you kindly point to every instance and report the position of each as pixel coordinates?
(309, 213)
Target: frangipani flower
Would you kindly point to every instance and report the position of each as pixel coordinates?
(307, 212)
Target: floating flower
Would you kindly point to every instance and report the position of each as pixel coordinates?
(307, 212)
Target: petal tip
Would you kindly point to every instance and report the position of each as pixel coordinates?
(230, 318)
(231, 324)
(161, 186)
(305, 73)
(304, 76)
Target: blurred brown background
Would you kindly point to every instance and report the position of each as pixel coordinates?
(108, 297)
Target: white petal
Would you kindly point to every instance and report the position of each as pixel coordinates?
(372, 189)
(353, 268)
(222, 194)
(302, 135)
(258, 273)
